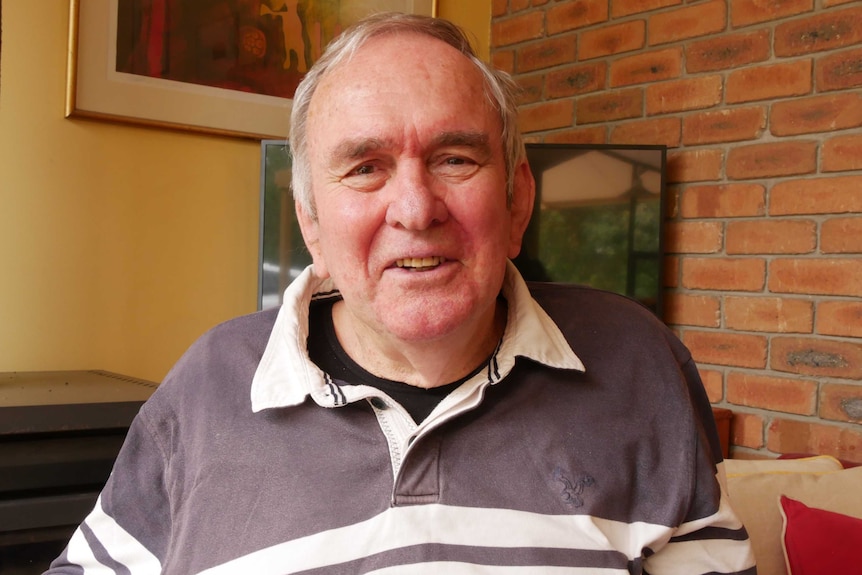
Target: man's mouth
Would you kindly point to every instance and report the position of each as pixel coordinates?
(420, 263)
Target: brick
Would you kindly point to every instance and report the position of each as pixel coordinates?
(727, 51)
(694, 237)
(576, 80)
(746, 12)
(841, 153)
(793, 436)
(646, 67)
(841, 236)
(621, 8)
(713, 383)
(545, 54)
(680, 95)
(723, 201)
(614, 39)
(840, 71)
(728, 125)
(519, 5)
(841, 318)
(530, 89)
(816, 356)
(747, 430)
(727, 274)
(771, 237)
(769, 82)
(499, 8)
(663, 131)
(688, 22)
(822, 31)
(823, 276)
(834, 195)
(504, 60)
(696, 310)
(576, 14)
(529, 26)
(719, 348)
(841, 402)
(609, 106)
(590, 135)
(547, 116)
(816, 114)
(788, 395)
(694, 165)
(771, 160)
(768, 314)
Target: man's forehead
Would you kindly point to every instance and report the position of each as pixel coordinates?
(388, 53)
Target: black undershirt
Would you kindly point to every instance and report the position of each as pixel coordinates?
(325, 350)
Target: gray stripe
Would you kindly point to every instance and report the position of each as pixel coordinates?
(100, 553)
(537, 557)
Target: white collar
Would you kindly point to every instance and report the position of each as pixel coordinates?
(285, 375)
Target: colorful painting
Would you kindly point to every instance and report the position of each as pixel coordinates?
(226, 67)
(258, 46)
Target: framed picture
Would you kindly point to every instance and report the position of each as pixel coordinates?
(226, 67)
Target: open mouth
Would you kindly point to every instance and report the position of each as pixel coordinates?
(420, 264)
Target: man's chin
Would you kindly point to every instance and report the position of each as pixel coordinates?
(424, 323)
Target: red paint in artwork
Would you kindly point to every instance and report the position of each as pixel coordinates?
(258, 46)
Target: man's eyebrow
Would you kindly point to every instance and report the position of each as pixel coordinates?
(355, 148)
(352, 149)
(476, 140)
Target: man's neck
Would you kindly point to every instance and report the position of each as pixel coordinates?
(423, 364)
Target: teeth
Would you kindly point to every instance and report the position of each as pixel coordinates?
(419, 262)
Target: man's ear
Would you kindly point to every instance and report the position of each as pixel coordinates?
(311, 235)
(524, 194)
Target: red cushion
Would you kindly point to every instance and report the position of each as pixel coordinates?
(819, 542)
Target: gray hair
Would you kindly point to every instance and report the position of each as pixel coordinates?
(500, 90)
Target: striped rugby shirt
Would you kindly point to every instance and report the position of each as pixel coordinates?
(250, 460)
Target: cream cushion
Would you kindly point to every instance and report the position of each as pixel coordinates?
(754, 487)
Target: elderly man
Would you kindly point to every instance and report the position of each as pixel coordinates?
(414, 407)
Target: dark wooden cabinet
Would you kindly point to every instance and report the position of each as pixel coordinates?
(60, 432)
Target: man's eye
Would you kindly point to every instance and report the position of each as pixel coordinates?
(365, 177)
(362, 171)
(456, 167)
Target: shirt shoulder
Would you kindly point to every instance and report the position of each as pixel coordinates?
(587, 315)
(222, 359)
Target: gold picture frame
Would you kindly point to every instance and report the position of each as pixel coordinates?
(96, 89)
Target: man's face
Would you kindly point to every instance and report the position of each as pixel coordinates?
(409, 181)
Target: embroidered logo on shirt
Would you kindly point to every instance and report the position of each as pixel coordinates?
(573, 489)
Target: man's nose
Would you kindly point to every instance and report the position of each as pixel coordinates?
(414, 202)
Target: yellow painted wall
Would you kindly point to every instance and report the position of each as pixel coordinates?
(472, 15)
(119, 245)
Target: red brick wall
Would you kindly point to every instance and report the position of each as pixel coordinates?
(760, 103)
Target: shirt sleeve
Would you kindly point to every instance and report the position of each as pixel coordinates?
(128, 530)
(712, 538)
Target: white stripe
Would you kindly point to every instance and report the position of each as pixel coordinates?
(701, 556)
(122, 547)
(416, 525)
(79, 553)
(450, 568)
(680, 558)
(724, 518)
